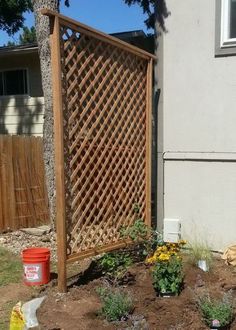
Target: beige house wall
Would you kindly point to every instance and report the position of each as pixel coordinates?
(199, 107)
(23, 114)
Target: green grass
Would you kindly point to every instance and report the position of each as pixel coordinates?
(11, 268)
(200, 251)
(11, 271)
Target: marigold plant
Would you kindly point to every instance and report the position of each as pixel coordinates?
(167, 269)
(168, 275)
(164, 252)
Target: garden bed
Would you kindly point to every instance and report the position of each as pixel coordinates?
(78, 309)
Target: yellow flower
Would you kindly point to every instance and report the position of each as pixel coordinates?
(183, 242)
(164, 257)
(150, 260)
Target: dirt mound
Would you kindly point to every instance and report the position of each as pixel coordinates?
(78, 308)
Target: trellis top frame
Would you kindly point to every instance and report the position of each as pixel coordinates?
(83, 28)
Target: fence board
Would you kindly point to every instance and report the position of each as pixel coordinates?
(23, 194)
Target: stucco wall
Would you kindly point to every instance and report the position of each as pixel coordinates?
(199, 89)
(199, 105)
(23, 114)
(202, 195)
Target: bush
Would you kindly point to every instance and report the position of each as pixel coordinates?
(147, 238)
(217, 312)
(168, 274)
(115, 264)
(116, 305)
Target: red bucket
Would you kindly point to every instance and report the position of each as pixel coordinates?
(36, 263)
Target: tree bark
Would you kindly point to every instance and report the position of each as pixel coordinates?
(43, 35)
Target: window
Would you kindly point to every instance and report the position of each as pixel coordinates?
(225, 27)
(228, 25)
(13, 82)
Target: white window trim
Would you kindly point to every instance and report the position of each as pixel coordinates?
(27, 82)
(223, 45)
(226, 41)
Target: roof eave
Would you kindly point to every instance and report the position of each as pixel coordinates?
(18, 51)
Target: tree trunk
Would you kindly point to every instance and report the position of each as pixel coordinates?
(43, 34)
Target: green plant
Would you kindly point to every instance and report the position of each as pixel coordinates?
(147, 238)
(116, 305)
(138, 231)
(200, 251)
(115, 264)
(168, 275)
(217, 312)
(165, 251)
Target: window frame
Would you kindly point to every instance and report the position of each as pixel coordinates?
(27, 94)
(224, 46)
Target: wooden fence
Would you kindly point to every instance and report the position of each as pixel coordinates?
(23, 196)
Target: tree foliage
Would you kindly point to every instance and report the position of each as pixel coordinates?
(155, 10)
(28, 36)
(12, 14)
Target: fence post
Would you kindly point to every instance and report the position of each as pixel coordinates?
(59, 153)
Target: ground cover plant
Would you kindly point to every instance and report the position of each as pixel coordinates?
(116, 305)
(217, 312)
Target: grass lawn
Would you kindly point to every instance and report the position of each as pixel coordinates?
(11, 268)
(10, 272)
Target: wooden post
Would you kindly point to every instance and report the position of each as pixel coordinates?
(148, 142)
(59, 153)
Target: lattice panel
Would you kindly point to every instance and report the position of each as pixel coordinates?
(104, 107)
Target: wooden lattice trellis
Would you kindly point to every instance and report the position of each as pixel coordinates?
(102, 111)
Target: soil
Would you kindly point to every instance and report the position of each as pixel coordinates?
(78, 309)
(9, 296)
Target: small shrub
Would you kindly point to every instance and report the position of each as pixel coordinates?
(167, 270)
(115, 264)
(217, 312)
(147, 238)
(167, 274)
(116, 305)
(138, 231)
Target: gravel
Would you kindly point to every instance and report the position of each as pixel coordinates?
(17, 241)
